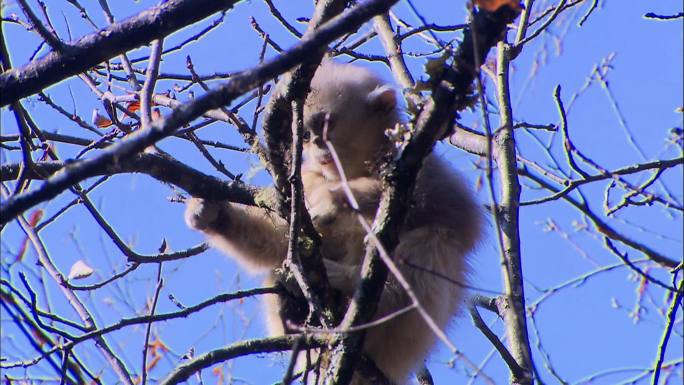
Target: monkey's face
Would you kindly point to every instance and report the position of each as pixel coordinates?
(352, 118)
(351, 140)
(318, 124)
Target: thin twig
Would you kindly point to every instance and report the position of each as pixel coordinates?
(148, 328)
(487, 303)
(671, 318)
(74, 301)
(150, 79)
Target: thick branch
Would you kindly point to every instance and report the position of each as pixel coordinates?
(292, 86)
(162, 168)
(511, 259)
(94, 48)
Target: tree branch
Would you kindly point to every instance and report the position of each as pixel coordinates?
(160, 167)
(509, 228)
(243, 348)
(602, 226)
(99, 46)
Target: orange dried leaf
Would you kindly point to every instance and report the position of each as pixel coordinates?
(100, 121)
(22, 250)
(36, 215)
(153, 362)
(219, 372)
(133, 106)
(156, 346)
(494, 5)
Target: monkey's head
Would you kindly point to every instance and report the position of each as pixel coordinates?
(359, 108)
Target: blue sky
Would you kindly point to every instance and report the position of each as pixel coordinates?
(585, 330)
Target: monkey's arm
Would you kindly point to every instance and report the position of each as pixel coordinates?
(367, 192)
(256, 238)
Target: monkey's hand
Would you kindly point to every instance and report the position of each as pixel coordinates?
(201, 214)
(365, 190)
(342, 276)
(325, 204)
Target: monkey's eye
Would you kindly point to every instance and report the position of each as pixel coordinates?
(318, 122)
(306, 136)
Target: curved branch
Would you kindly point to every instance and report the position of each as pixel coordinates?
(490, 304)
(160, 167)
(243, 348)
(602, 226)
(659, 165)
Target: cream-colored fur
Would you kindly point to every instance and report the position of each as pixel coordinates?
(442, 226)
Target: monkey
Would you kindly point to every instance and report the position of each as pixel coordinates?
(442, 226)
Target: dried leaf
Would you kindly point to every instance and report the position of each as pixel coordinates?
(80, 270)
(164, 248)
(494, 5)
(133, 106)
(100, 121)
(153, 362)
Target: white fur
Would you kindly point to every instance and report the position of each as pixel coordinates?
(442, 226)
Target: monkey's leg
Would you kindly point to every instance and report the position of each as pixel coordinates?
(425, 257)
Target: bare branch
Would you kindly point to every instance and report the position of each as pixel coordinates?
(671, 317)
(573, 184)
(157, 166)
(489, 304)
(509, 211)
(601, 225)
(260, 346)
(92, 49)
(74, 301)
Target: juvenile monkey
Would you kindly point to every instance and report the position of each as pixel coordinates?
(442, 226)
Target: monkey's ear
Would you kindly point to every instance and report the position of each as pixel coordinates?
(383, 99)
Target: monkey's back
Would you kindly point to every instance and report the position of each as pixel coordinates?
(443, 225)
